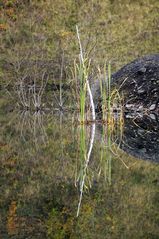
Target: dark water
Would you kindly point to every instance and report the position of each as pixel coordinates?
(53, 169)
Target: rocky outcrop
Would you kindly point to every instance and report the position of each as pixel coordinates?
(137, 83)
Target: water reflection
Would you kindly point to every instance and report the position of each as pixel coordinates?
(141, 137)
(84, 158)
(58, 169)
(31, 126)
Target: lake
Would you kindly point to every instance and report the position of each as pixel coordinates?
(63, 179)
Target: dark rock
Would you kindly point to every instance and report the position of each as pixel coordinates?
(137, 82)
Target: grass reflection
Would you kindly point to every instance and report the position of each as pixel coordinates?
(32, 125)
(106, 155)
(110, 136)
(84, 158)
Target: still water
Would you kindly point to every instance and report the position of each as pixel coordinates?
(60, 179)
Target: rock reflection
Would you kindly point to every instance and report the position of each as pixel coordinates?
(138, 136)
(141, 137)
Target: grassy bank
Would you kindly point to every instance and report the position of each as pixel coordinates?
(111, 30)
